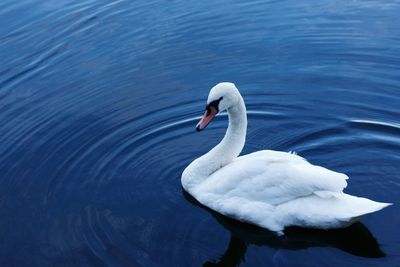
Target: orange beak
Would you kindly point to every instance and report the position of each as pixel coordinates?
(209, 114)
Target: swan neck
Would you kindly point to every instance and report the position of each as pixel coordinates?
(235, 136)
(223, 153)
(233, 142)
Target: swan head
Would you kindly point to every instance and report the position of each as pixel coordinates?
(222, 97)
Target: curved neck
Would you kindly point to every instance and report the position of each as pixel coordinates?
(223, 153)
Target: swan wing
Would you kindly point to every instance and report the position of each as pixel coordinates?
(273, 178)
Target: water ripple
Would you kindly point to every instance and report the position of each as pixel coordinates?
(99, 100)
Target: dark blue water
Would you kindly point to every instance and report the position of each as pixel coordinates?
(99, 102)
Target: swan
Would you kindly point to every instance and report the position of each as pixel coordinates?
(269, 189)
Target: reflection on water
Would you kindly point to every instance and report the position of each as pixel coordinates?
(355, 239)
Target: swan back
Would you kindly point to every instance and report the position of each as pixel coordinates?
(273, 177)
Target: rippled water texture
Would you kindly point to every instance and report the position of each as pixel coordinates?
(99, 102)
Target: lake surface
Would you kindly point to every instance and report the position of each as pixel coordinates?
(99, 102)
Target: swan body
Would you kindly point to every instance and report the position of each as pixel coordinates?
(270, 189)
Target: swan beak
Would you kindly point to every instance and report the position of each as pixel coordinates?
(209, 114)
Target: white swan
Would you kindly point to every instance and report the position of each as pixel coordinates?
(270, 189)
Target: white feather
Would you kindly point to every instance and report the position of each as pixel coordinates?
(268, 188)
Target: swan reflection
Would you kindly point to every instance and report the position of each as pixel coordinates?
(355, 239)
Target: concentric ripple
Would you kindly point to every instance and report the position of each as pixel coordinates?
(99, 102)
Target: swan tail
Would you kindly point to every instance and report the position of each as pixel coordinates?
(324, 210)
(360, 206)
(351, 206)
(351, 209)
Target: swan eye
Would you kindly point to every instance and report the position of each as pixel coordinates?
(208, 111)
(213, 104)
